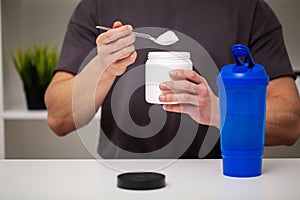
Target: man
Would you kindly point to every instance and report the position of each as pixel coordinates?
(216, 25)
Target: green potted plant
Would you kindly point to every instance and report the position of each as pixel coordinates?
(35, 66)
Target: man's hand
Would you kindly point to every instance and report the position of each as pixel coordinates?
(116, 49)
(195, 97)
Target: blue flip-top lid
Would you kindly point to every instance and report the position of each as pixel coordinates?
(242, 73)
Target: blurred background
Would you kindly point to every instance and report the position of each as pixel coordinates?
(24, 134)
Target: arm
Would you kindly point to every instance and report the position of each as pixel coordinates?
(72, 100)
(59, 99)
(283, 112)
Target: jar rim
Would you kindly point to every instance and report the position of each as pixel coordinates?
(169, 54)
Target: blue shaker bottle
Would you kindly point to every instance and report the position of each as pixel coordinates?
(242, 97)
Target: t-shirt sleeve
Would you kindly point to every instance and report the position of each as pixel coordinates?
(267, 43)
(80, 37)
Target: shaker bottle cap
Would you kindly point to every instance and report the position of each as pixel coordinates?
(243, 73)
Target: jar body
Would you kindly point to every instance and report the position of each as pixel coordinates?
(157, 69)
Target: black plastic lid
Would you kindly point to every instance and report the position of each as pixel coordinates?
(141, 181)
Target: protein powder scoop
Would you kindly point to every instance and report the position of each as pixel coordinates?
(165, 39)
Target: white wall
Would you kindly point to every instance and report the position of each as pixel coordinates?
(289, 15)
(28, 22)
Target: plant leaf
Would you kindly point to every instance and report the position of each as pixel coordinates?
(35, 64)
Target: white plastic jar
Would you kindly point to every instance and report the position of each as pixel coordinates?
(157, 69)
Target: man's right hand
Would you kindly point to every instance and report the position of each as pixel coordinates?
(116, 49)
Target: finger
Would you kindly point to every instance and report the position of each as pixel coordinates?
(120, 54)
(182, 85)
(179, 108)
(123, 52)
(130, 59)
(126, 55)
(117, 24)
(120, 66)
(114, 34)
(191, 110)
(181, 98)
(183, 74)
(121, 43)
(117, 33)
(105, 50)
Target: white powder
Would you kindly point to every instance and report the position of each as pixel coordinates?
(167, 38)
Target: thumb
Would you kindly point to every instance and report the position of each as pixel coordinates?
(117, 24)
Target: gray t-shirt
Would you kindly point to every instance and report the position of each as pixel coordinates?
(215, 24)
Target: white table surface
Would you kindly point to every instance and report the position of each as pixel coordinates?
(186, 180)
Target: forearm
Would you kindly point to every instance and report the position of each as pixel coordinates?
(283, 117)
(72, 101)
(58, 99)
(282, 124)
(89, 91)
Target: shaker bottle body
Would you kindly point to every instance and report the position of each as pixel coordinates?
(242, 135)
(242, 96)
